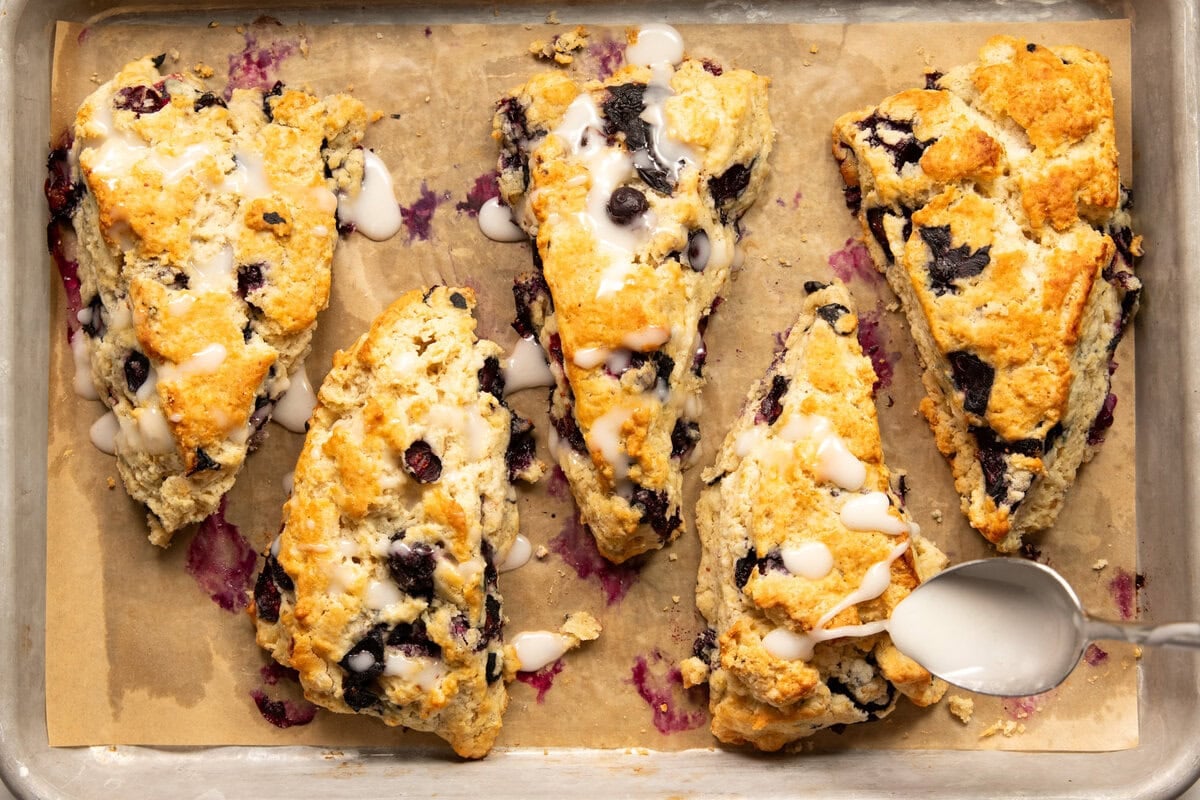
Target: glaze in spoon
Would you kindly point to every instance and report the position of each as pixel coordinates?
(1010, 627)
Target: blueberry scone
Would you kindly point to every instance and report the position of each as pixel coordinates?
(991, 201)
(205, 233)
(381, 589)
(632, 188)
(806, 551)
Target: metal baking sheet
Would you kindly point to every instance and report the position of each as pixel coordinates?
(1166, 88)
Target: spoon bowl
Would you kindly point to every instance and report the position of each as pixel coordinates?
(998, 626)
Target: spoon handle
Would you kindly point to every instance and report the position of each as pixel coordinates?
(1172, 634)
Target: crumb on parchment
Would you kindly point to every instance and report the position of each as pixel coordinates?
(552, 18)
(203, 70)
(561, 47)
(1006, 727)
(1100, 564)
(961, 707)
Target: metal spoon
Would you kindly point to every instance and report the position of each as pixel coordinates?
(1010, 627)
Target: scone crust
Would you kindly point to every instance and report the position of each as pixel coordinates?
(992, 202)
(622, 330)
(206, 235)
(383, 553)
(767, 494)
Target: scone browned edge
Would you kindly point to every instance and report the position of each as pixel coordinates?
(194, 234)
(991, 200)
(628, 268)
(381, 589)
(795, 513)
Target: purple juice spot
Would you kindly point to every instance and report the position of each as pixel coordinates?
(486, 187)
(84, 35)
(608, 55)
(873, 339)
(1123, 588)
(222, 561)
(283, 713)
(556, 485)
(796, 198)
(577, 547)
(254, 67)
(275, 672)
(853, 261)
(1095, 655)
(1026, 707)
(419, 216)
(543, 679)
(428, 31)
(664, 693)
(779, 202)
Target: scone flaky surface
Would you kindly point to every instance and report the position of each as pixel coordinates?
(992, 202)
(206, 232)
(788, 553)
(632, 252)
(381, 590)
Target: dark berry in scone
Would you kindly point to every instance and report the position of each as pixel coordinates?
(992, 202)
(381, 590)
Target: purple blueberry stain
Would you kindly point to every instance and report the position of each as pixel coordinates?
(853, 261)
(1122, 587)
(556, 485)
(486, 187)
(418, 218)
(1026, 707)
(254, 67)
(607, 55)
(1095, 655)
(873, 338)
(275, 672)
(575, 545)
(283, 713)
(542, 680)
(222, 561)
(663, 691)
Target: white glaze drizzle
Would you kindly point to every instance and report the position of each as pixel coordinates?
(869, 512)
(647, 338)
(811, 560)
(787, 644)
(295, 407)
(537, 649)
(496, 222)
(82, 382)
(656, 43)
(526, 367)
(381, 594)
(590, 357)
(518, 555)
(103, 433)
(424, 672)
(874, 583)
(374, 211)
(605, 436)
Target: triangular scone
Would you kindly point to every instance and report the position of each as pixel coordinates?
(381, 589)
(991, 200)
(206, 231)
(806, 551)
(636, 231)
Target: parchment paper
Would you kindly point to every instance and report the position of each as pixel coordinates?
(137, 653)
